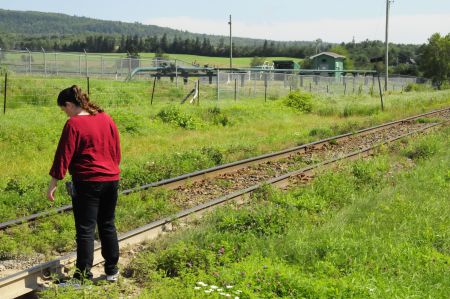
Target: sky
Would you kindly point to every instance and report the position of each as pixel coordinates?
(411, 21)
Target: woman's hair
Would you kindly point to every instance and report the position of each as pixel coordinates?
(74, 95)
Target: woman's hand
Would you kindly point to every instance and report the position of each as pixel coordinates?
(51, 189)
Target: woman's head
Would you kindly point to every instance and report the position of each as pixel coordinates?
(77, 97)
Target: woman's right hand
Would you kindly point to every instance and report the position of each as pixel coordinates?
(51, 189)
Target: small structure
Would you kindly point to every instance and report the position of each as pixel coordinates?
(328, 61)
(285, 65)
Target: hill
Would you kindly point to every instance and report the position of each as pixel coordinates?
(33, 23)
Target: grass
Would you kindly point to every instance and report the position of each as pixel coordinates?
(167, 139)
(374, 228)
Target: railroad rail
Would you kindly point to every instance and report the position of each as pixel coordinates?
(31, 279)
(200, 175)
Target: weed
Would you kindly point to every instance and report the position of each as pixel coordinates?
(352, 110)
(213, 154)
(173, 115)
(301, 101)
(321, 132)
(422, 150)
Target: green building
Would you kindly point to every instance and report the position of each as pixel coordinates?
(328, 61)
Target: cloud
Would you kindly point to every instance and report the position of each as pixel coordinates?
(402, 29)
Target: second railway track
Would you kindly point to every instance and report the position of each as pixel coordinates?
(203, 190)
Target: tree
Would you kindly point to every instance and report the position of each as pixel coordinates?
(341, 50)
(257, 61)
(435, 59)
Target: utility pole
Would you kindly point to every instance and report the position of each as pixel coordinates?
(386, 56)
(231, 46)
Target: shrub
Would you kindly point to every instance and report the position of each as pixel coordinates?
(417, 87)
(172, 114)
(301, 101)
(218, 117)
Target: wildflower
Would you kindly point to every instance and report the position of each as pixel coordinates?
(214, 287)
(219, 290)
(197, 288)
(201, 283)
(229, 287)
(208, 291)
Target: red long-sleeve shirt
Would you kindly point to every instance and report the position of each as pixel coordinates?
(89, 147)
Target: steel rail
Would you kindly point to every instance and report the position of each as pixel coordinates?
(175, 182)
(31, 279)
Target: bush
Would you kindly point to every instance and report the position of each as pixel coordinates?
(417, 87)
(301, 101)
(217, 116)
(173, 115)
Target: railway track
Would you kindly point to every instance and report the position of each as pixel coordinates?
(203, 190)
(201, 175)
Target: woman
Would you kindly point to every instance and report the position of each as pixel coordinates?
(89, 148)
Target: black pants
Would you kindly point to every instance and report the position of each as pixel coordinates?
(95, 203)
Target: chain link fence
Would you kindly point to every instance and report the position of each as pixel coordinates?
(274, 85)
(77, 64)
(34, 79)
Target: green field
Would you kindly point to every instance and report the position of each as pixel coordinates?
(217, 61)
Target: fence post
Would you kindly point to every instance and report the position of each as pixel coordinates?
(45, 62)
(217, 82)
(176, 73)
(381, 92)
(265, 87)
(86, 62)
(235, 89)
(79, 65)
(4, 94)
(88, 87)
(153, 90)
(102, 64)
(198, 92)
(29, 60)
(56, 65)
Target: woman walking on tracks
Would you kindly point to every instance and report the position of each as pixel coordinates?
(89, 148)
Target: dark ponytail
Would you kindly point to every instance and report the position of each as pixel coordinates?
(75, 95)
